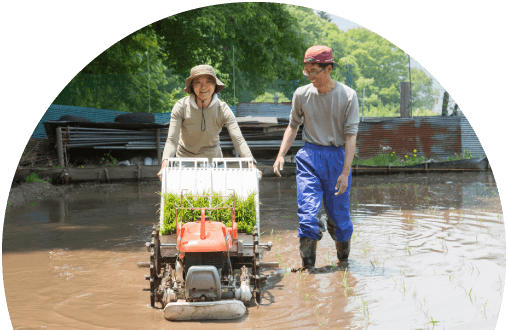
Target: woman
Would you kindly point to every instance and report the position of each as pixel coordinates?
(197, 119)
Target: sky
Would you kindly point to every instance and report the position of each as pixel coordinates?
(345, 24)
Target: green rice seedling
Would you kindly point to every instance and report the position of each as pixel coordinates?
(408, 250)
(344, 282)
(316, 310)
(485, 309)
(322, 322)
(470, 298)
(32, 204)
(245, 210)
(307, 296)
(433, 322)
(365, 307)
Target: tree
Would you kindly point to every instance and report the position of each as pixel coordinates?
(118, 78)
(261, 35)
(422, 93)
(324, 15)
(444, 109)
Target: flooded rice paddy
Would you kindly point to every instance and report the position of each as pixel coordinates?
(428, 252)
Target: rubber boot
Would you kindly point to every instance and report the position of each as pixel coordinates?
(308, 252)
(343, 249)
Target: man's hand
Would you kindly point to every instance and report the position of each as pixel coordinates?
(278, 165)
(342, 183)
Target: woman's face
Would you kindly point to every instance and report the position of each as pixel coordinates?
(204, 86)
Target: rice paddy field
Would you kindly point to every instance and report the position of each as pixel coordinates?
(428, 252)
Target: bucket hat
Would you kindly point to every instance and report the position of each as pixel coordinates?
(201, 70)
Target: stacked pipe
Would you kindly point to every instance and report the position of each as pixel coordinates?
(260, 137)
(110, 138)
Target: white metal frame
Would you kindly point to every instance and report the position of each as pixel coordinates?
(222, 175)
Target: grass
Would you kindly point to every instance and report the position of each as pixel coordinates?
(392, 159)
(34, 177)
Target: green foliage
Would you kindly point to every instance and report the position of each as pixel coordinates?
(34, 177)
(268, 97)
(374, 64)
(465, 155)
(108, 160)
(146, 70)
(262, 35)
(245, 210)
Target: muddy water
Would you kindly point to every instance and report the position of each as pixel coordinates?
(428, 250)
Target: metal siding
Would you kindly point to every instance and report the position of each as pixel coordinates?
(278, 110)
(469, 139)
(432, 137)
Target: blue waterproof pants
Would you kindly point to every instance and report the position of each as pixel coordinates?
(317, 170)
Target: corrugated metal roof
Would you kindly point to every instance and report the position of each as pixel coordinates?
(469, 139)
(432, 137)
(278, 110)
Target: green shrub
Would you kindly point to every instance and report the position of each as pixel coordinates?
(33, 177)
(245, 210)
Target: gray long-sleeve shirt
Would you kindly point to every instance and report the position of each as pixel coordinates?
(327, 118)
(187, 139)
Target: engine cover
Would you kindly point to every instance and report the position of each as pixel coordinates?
(202, 284)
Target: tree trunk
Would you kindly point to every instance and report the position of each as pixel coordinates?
(444, 110)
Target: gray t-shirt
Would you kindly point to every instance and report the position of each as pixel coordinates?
(327, 118)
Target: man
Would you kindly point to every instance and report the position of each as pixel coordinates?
(329, 111)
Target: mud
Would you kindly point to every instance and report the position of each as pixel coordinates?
(426, 249)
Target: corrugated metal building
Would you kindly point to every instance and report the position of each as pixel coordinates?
(278, 110)
(469, 139)
(432, 137)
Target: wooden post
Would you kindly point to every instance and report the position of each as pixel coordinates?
(405, 99)
(158, 139)
(60, 146)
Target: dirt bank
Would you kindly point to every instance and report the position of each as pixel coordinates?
(26, 192)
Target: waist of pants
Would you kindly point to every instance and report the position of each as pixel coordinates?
(319, 147)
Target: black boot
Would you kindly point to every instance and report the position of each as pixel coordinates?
(343, 249)
(308, 252)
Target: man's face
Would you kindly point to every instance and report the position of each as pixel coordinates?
(315, 74)
(204, 86)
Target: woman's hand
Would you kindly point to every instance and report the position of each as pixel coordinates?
(164, 164)
(260, 174)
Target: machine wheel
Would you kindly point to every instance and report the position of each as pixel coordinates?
(155, 264)
(256, 271)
